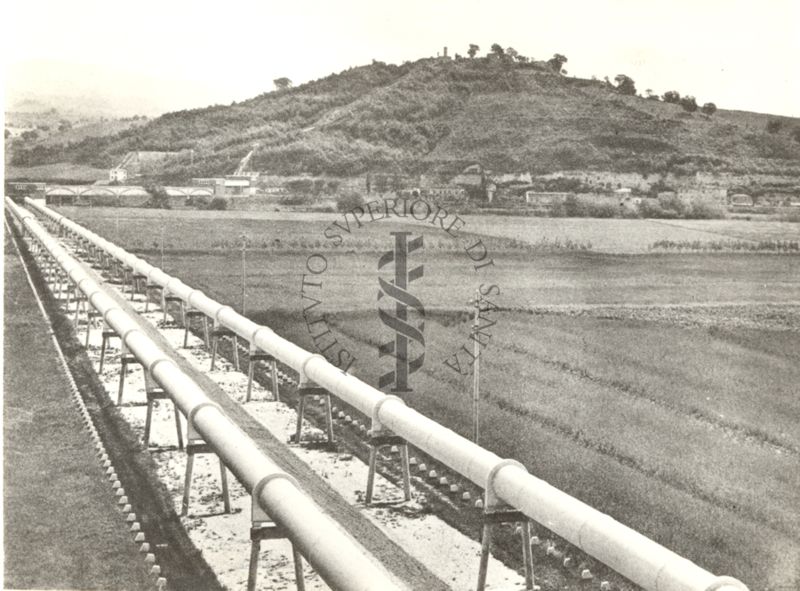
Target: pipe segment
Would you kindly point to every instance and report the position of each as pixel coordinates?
(334, 555)
(636, 557)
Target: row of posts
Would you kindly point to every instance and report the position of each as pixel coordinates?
(494, 511)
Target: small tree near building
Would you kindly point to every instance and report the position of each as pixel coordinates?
(473, 50)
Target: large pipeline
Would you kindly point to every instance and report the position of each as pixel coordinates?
(631, 554)
(338, 560)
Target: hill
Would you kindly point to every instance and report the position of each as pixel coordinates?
(439, 115)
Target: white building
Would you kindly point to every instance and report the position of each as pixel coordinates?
(118, 174)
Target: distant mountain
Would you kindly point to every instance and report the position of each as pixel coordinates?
(73, 108)
(82, 91)
(440, 115)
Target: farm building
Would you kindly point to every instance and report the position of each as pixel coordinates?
(545, 200)
(471, 176)
(510, 178)
(740, 200)
(244, 184)
(117, 174)
(445, 192)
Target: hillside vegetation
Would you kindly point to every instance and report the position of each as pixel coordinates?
(439, 115)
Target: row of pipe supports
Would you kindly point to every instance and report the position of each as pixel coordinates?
(636, 557)
(334, 556)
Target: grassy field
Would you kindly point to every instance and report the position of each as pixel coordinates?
(57, 172)
(62, 528)
(660, 388)
(140, 228)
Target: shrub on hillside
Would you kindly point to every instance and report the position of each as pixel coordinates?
(709, 109)
(706, 210)
(349, 201)
(650, 208)
(218, 203)
(158, 197)
(673, 203)
(674, 207)
(625, 85)
(774, 125)
(581, 207)
(672, 96)
(606, 209)
(689, 104)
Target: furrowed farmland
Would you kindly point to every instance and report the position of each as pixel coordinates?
(658, 387)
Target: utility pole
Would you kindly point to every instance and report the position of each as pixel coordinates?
(244, 272)
(476, 369)
(162, 246)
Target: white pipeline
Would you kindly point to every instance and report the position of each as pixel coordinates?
(338, 560)
(638, 558)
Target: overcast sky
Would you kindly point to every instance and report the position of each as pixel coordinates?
(170, 54)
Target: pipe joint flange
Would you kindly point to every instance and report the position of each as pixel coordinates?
(269, 478)
(99, 292)
(220, 311)
(303, 375)
(257, 513)
(376, 410)
(190, 417)
(78, 283)
(170, 280)
(124, 335)
(602, 517)
(191, 295)
(105, 317)
(724, 583)
(676, 563)
(258, 330)
(492, 499)
(155, 363)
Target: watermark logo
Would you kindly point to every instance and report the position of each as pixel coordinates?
(406, 331)
(399, 309)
